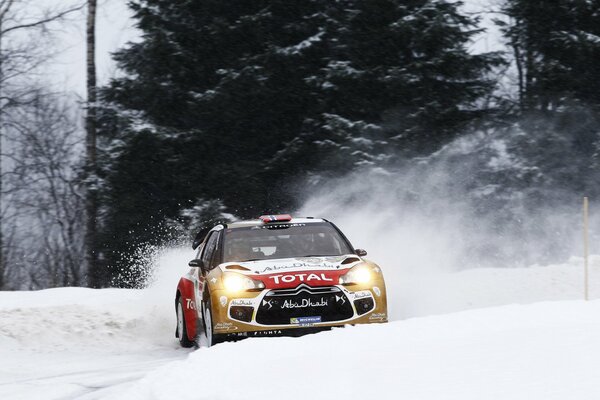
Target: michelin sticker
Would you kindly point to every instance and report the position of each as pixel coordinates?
(305, 321)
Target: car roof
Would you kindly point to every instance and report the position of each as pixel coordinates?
(258, 222)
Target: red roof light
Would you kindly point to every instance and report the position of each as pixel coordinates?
(275, 218)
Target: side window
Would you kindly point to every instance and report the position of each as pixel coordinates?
(209, 247)
(216, 257)
(199, 252)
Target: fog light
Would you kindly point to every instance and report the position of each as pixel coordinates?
(241, 313)
(365, 305)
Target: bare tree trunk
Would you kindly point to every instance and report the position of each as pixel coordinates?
(2, 269)
(94, 275)
(4, 8)
(520, 73)
(530, 74)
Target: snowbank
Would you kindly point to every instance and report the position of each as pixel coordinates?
(542, 351)
(84, 343)
(419, 294)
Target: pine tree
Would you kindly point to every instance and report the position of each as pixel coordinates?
(218, 87)
(237, 101)
(556, 47)
(401, 79)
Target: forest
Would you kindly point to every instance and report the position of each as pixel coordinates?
(233, 109)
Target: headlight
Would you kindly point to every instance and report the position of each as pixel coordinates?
(237, 282)
(360, 274)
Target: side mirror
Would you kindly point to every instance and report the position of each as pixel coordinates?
(360, 252)
(196, 263)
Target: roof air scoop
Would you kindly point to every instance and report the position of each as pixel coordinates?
(350, 260)
(238, 267)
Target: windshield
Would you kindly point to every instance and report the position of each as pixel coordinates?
(283, 241)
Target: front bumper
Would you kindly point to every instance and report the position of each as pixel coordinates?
(303, 307)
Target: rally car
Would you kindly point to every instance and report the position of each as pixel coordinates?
(276, 275)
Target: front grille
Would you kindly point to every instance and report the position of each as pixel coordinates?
(278, 307)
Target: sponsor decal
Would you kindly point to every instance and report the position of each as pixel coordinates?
(298, 264)
(242, 302)
(362, 294)
(312, 260)
(280, 267)
(378, 317)
(225, 326)
(237, 334)
(305, 277)
(305, 321)
(278, 226)
(377, 291)
(306, 262)
(266, 333)
(267, 303)
(223, 301)
(189, 304)
(304, 303)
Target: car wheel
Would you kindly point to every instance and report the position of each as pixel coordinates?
(211, 338)
(182, 327)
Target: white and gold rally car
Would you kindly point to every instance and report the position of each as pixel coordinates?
(273, 276)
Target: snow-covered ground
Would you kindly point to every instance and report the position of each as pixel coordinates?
(85, 343)
(543, 351)
(82, 343)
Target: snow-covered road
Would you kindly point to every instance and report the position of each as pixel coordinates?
(80, 343)
(75, 343)
(72, 343)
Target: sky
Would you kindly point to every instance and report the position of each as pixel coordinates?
(67, 69)
(115, 27)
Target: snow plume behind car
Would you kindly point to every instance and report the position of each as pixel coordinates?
(486, 200)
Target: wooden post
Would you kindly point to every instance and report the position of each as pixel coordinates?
(585, 247)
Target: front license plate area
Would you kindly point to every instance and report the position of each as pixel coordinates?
(303, 308)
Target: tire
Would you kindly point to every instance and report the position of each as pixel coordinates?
(211, 338)
(184, 341)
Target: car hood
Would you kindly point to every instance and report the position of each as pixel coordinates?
(285, 265)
